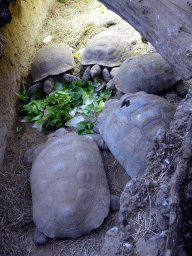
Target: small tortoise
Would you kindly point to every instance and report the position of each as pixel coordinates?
(69, 187)
(148, 72)
(129, 125)
(106, 50)
(51, 60)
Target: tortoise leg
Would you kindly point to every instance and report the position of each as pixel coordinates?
(110, 85)
(39, 238)
(70, 78)
(34, 88)
(48, 85)
(29, 154)
(106, 75)
(95, 71)
(87, 74)
(98, 141)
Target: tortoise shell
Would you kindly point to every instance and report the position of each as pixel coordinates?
(69, 187)
(108, 48)
(148, 72)
(129, 129)
(52, 59)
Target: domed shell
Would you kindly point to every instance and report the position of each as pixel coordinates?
(129, 129)
(148, 72)
(108, 48)
(69, 187)
(52, 59)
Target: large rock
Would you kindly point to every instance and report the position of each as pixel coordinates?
(165, 24)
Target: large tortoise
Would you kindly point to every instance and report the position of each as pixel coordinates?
(147, 72)
(106, 50)
(51, 60)
(129, 125)
(69, 187)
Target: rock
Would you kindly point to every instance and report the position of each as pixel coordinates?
(112, 243)
(114, 203)
(162, 210)
(152, 247)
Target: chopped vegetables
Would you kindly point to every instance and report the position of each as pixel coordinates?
(66, 99)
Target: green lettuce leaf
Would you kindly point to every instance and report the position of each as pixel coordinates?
(85, 127)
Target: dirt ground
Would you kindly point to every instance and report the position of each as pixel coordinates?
(75, 23)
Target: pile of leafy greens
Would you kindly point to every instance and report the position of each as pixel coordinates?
(53, 111)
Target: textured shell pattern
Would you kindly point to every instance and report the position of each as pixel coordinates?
(52, 59)
(129, 130)
(108, 48)
(148, 72)
(69, 187)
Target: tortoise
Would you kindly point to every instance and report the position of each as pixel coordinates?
(51, 60)
(147, 72)
(106, 50)
(129, 125)
(70, 192)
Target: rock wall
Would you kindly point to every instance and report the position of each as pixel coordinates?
(20, 34)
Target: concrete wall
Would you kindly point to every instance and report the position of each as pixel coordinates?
(21, 33)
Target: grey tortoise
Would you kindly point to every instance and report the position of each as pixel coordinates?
(147, 72)
(70, 192)
(51, 60)
(129, 125)
(106, 50)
